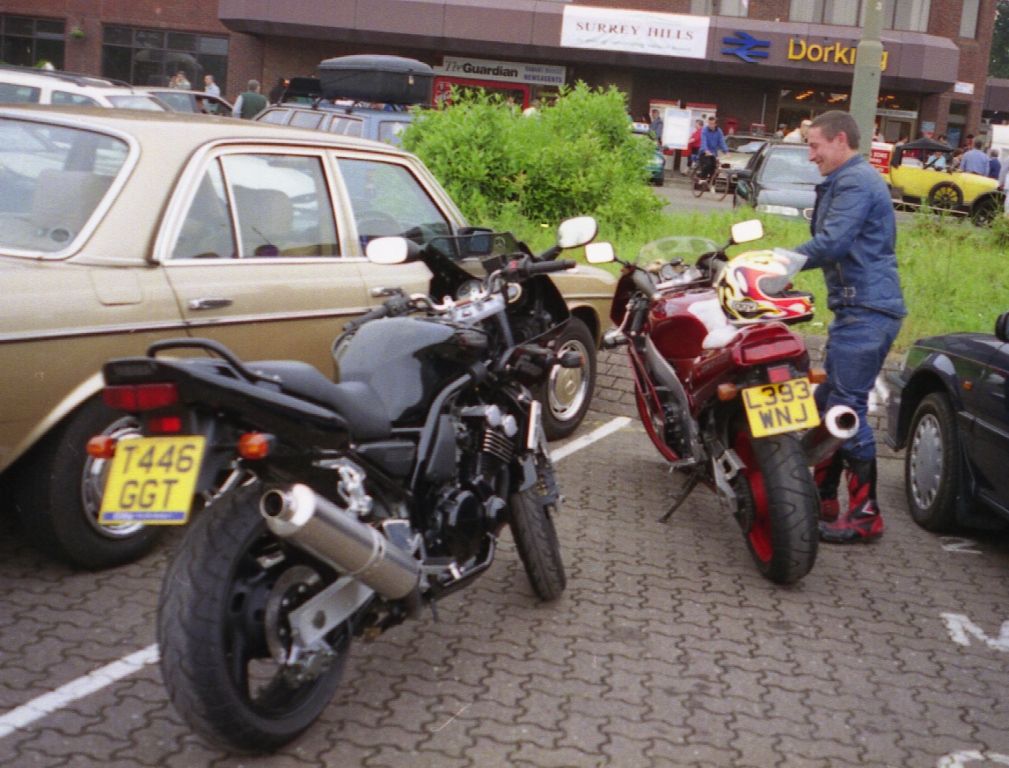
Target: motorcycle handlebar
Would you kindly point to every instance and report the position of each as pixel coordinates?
(643, 282)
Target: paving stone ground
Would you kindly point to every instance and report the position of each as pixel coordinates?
(667, 649)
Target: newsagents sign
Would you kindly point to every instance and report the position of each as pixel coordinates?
(504, 71)
(613, 29)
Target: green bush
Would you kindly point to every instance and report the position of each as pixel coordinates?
(574, 157)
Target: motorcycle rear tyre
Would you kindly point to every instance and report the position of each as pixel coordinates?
(783, 536)
(536, 539)
(209, 612)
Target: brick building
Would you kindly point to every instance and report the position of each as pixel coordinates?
(761, 62)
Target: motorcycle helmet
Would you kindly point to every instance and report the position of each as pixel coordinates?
(755, 286)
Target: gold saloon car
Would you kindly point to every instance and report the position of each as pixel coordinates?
(118, 229)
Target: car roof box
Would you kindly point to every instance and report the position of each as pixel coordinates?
(388, 79)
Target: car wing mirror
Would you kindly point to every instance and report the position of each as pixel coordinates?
(747, 231)
(1002, 327)
(580, 230)
(390, 250)
(600, 253)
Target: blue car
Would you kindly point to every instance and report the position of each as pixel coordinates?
(949, 408)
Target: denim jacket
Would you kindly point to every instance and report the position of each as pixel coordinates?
(854, 240)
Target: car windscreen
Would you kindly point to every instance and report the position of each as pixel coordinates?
(135, 101)
(787, 166)
(52, 180)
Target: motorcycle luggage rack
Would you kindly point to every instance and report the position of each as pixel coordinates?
(215, 347)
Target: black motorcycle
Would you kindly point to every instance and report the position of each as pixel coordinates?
(339, 509)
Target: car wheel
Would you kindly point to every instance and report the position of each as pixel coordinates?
(567, 393)
(932, 464)
(945, 196)
(985, 211)
(59, 497)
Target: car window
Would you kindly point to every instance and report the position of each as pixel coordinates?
(306, 119)
(389, 200)
(790, 168)
(52, 180)
(62, 97)
(275, 116)
(282, 205)
(346, 126)
(206, 231)
(180, 102)
(390, 131)
(136, 101)
(11, 93)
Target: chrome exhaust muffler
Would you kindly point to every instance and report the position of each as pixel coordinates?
(317, 525)
(838, 424)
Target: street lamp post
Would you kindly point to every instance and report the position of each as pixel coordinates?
(868, 69)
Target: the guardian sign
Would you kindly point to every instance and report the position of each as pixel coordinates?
(613, 29)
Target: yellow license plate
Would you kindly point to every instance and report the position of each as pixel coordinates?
(151, 480)
(773, 409)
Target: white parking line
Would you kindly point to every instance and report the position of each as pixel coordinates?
(76, 689)
(105, 676)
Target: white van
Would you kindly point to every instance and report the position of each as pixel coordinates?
(27, 85)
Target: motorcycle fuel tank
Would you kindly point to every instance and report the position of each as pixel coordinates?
(677, 332)
(407, 361)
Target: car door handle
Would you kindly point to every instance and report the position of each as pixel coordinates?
(196, 304)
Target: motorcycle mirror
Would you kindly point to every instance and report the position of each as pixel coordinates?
(747, 231)
(387, 250)
(580, 230)
(600, 253)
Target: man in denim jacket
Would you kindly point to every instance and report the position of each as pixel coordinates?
(854, 240)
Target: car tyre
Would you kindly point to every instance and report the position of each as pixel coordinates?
(932, 464)
(567, 392)
(985, 212)
(59, 496)
(945, 196)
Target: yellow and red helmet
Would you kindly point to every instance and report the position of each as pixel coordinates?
(756, 286)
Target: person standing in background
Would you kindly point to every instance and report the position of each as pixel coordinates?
(974, 160)
(250, 102)
(210, 87)
(994, 165)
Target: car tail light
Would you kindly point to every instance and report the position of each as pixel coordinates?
(102, 447)
(255, 445)
(727, 391)
(140, 397)
(779, 373)
(164, 425)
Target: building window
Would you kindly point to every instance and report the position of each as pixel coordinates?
(910, 15)
(719, 7)
(968, 18)
(153, 56)
(30, 42)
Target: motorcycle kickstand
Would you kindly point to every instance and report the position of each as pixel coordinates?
(688, 485)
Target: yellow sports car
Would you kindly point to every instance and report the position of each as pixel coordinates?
(920, 173)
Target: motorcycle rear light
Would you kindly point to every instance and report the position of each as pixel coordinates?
(140, 397)
(164, 425)
(255, 445)
(727, 391)
(101, 447)
(779, 373)
(767, 351)
(817, 375)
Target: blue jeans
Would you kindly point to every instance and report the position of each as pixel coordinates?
(857, 343)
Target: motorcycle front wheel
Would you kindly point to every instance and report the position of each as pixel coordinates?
(779, 505)
(222, 624)
(536, 539)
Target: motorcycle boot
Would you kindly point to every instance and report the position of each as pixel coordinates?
(827, 476)
(861, 521)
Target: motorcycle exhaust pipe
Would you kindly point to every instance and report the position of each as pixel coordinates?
(317, 525)
(839, 423)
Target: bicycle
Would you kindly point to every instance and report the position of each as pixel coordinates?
(723, 181)
(700, 184)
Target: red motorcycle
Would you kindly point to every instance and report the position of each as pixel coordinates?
(724, 387)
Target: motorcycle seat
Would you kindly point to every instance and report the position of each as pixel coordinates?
(355, 401)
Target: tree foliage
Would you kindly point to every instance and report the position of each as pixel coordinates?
(576, 156)
(998, 65)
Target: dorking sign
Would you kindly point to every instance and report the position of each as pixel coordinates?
(613, 29)
(824, 53)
